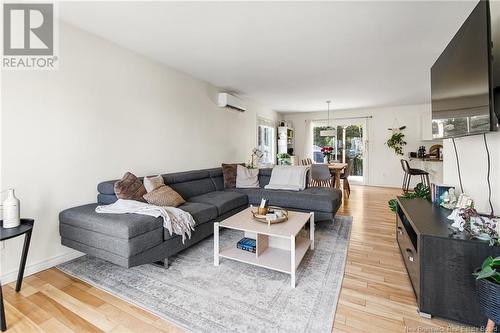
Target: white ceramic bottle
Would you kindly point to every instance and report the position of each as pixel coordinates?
(11, 210)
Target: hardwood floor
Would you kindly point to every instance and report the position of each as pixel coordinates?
(376, 293)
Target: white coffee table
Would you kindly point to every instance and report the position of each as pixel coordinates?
(278, 259)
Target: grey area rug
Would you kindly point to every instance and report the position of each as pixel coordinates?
(233, 297)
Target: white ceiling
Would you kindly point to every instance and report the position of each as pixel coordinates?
(289, 56)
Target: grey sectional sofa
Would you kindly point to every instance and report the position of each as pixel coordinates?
(130, 239)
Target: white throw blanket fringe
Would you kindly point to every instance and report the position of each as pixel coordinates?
(176, 220)
(284, 177)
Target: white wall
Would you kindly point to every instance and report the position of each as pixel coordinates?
(106, 110)
(473, 164)
(384, 168)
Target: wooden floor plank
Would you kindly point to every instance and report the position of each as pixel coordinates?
(29, 309)
(83, 296)
(64, 315)
(54, 325)
(80, 308)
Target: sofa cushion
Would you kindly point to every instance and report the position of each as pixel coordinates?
(190, 183)
(119, 246)
(117, 225)
(202, 213)
(106, 199)
(311, 199)
(225, 201)
(187, 183)
(254, 195)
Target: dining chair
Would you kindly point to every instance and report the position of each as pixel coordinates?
(309, 161)
(408, 172)
(345, 178)
(320, 176)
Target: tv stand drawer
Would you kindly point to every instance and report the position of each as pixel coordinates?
(410, 257)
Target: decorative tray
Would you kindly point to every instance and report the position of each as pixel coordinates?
(262, 215)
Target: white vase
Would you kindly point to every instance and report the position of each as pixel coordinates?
(325, 159)
(11, 211)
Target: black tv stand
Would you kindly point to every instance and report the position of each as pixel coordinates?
(439, 262)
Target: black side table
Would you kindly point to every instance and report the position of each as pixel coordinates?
(25, 228)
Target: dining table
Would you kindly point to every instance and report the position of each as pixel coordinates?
(336, 169)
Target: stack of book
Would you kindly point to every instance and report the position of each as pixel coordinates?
(247, 244)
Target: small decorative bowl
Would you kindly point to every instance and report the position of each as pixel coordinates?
(257, 216)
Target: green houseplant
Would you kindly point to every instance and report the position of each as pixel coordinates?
(396, 141)
(283, 159)
(488, 290)
(420, 191)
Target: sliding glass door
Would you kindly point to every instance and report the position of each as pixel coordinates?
(348, 143)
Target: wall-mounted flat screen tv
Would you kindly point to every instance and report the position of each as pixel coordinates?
(465, 80)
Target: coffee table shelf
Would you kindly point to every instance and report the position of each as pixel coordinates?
(272, 258)
(282, 260)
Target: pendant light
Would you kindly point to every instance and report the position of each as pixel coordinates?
(328, 132)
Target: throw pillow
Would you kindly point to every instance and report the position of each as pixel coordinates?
(152, 183)
(164, 196)
(247, 178)
(130, 188)
(229, 172)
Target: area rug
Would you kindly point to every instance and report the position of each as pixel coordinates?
(233, 297)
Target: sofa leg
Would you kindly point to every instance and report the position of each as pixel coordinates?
(162, 263)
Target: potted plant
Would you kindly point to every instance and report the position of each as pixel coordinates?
(283, 159)
(396, 141)
(327, 152)
(488, 290)
(420, 191)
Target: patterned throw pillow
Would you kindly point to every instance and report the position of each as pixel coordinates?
(130, 188)
(152, 183)
(229, 172)
(164, 196)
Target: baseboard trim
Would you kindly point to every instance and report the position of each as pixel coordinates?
(40, 266)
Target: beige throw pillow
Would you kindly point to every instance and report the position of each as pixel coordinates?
(164, 196)
(152, 183)
(247, 178)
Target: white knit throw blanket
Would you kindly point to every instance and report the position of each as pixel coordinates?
(292, 178)
(176, 220)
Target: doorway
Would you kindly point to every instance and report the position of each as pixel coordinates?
(349, 145)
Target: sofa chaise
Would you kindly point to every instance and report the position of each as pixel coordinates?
(130, 239)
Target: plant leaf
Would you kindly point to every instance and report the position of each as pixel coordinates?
(486, 273)
(487, 263)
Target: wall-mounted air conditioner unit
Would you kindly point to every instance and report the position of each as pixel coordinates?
(229, 101)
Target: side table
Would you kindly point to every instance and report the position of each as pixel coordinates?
(25, 228)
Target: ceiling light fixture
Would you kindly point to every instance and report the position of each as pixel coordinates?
(328, 132)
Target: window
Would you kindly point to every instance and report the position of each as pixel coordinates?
(266, 143)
